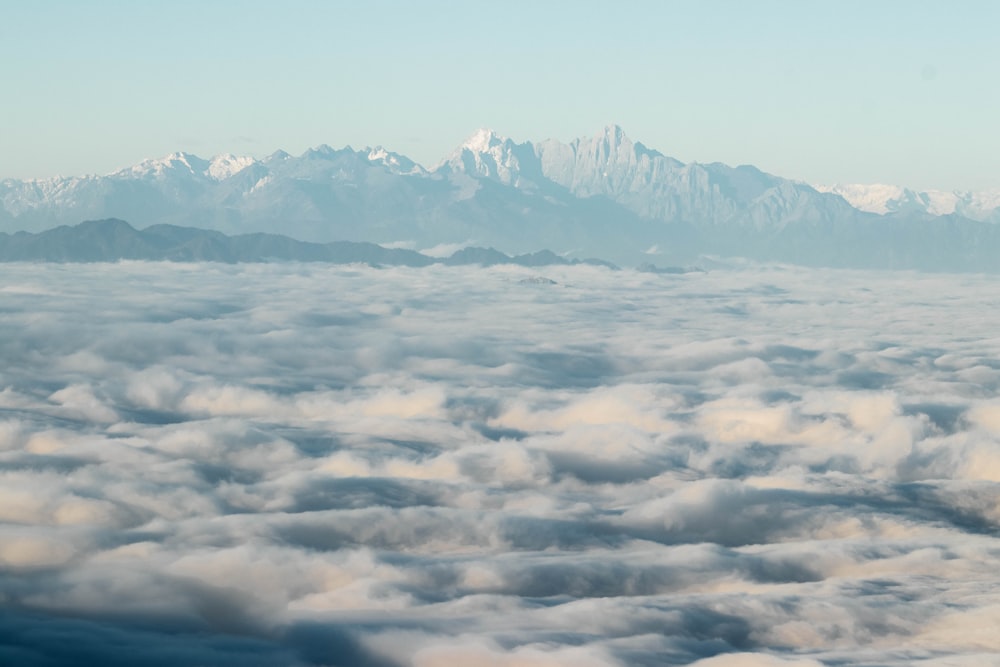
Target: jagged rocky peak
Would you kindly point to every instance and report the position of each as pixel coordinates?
(323, 151)
(612, 145)
(606, 163)
(486, 154)
(613, 138)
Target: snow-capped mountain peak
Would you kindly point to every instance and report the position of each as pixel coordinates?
(878, 198)
(486, 154)
(394, 162)
(882, 199)
(177, 163)
(223, 166)
(483, 140)
(184, 164)
(378, 154)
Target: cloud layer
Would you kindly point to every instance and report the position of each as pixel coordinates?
(313, 465)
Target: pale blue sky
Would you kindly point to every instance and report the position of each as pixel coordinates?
(899, 92)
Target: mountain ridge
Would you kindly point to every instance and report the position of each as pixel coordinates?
(604, 195)
(881, 198)
(113, 239)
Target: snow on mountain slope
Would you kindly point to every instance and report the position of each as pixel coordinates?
(175, 164)
(396, 163)
(223, 166)
(882, 199)
(184, 188)
(486, 154)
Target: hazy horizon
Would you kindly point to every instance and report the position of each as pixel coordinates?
(850, 93)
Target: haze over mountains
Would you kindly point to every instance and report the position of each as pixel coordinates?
(602, 196)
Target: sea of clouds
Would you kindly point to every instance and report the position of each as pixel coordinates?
(350, 466)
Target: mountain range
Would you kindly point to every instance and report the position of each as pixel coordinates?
(880, 198)
(605, 195)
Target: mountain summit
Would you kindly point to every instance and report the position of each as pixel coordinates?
(486, 154)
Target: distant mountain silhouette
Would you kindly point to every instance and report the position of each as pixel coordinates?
(113, 240)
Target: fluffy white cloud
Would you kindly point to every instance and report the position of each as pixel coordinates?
(312, 465)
